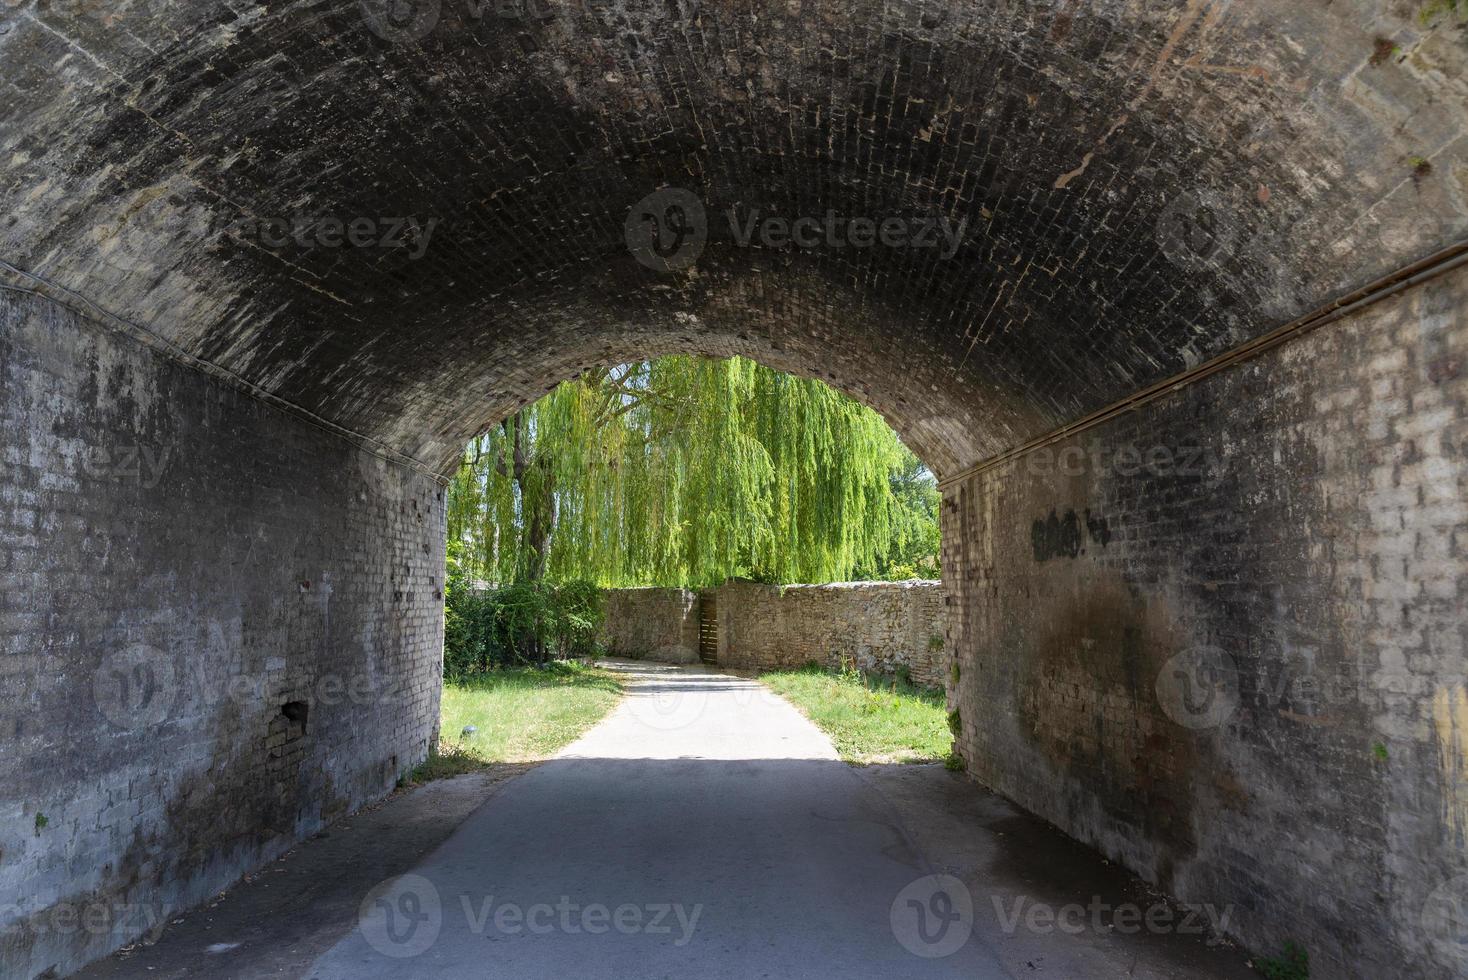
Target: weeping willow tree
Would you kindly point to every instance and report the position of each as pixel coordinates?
(685, 471)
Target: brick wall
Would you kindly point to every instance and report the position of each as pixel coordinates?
(652, 624)
(1223, 638)
(221, 629)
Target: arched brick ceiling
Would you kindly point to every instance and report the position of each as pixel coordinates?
(1326, 139)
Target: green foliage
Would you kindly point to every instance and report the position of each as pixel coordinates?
(871, 719)
(913, 542)
(1379, 750)
(443, 763)
(522, 714)
(521, 623)
(1293, 965)
(515, 715)
(41, 821)
(954, 762)
(1434, 9)
(688, 471)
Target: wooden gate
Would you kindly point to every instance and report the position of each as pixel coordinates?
(708, 628)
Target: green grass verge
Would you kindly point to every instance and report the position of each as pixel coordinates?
(523, 714)
(875, 720)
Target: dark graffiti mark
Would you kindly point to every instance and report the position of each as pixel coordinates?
(1060, 537)
(1056, 537)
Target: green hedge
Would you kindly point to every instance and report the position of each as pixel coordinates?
(526, 623)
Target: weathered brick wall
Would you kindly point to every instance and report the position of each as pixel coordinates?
(876, 625)
(1223, 638)
(655, 624)
(186, 571)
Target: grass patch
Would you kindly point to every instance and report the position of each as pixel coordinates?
(520, 714)
(869, 720)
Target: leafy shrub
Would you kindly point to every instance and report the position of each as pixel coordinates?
(522, 623)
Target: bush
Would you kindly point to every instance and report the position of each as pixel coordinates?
(524, 623)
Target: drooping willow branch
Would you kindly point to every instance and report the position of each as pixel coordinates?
(686, 471)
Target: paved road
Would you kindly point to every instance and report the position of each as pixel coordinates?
(704, 829)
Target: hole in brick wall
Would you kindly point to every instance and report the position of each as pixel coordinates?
(295, 712)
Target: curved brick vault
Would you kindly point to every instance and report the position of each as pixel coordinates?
(1076, 141)
(1142, 186)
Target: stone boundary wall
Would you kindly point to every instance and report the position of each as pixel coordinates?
(651, 624)
(879, 626)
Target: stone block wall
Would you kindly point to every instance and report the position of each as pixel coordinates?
(220, 628)
(879, 626)
(875, 625)
(651, 624)
(1223, 638)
